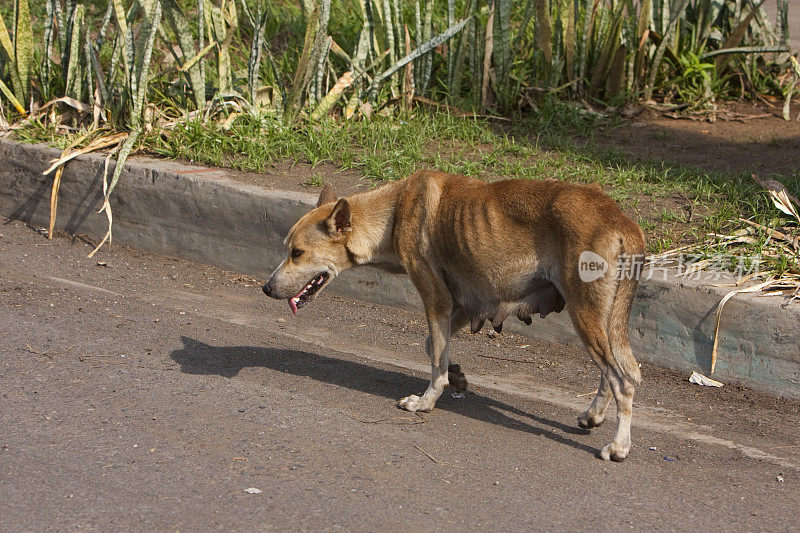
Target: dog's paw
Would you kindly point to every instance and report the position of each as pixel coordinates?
(587, 421)
(414, 403)
(456, 378)
(614, 452)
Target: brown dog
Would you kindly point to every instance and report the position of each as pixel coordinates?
(478, 251)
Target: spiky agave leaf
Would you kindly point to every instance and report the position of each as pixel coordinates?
(121, 39)
(388, 27)
(317, 15)
(93, 94)
(569, 42)
(526, 20)
(11, 98)
(198, 57)
(259, 23)
(364, 38)
(585, 29)
(460, 52)
(783, 20)
(151, 20)
(316, 93)
(45, 67)
(397, 19)
(544, 33)
(795, 64)
(125, 151)
(679, 6)
(502, 43)
(417, 37)
(59, 18)
(488, 46)
(23, 47)
(195, 72)
(311, 15)
(451, 19)
(333, 96)
(417, 52)
(7, 48)
(427, 32)
(476, 59)
(222, 22)
(94, 61)
(642, 34)
(74, 75)
(126, 42)
(92, 69)
(609, 49)
(360, 56)
(736, 36)
(408, 74)
(101, 36)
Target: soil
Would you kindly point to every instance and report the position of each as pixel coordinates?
(299, 176)
(765, 145)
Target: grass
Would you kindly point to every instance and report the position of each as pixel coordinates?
(556, 143)
(663, 135)
(315, 181)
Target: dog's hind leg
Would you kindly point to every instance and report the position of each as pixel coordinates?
(603, 329)
(589, 325)
(455, 376)
(623, 390)
(596, 413)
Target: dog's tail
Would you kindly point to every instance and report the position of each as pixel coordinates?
(631, 256)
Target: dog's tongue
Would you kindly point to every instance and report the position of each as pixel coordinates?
(292, 305)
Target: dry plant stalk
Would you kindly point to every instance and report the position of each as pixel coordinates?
(781, 243)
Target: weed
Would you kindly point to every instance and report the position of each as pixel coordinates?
(315, 181)
(663, 135)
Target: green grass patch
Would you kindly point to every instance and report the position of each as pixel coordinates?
(674, 204)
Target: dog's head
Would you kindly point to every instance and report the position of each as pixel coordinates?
(316, 251)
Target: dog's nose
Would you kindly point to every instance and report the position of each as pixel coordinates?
(267, 288)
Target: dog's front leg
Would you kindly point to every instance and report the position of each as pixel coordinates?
(438, 347)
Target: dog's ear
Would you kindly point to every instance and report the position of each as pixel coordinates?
(339, 219)
(327, 195)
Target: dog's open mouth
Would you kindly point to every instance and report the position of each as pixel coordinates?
(303, 297)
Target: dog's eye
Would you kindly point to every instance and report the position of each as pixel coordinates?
(296, 253)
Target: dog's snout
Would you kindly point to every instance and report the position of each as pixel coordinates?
(267, 288)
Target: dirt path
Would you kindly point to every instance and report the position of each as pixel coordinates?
(767, 146)
(149, 393)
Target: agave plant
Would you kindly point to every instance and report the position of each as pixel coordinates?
(17, 55)
(191, 62)
(490, 54)
(134, 55)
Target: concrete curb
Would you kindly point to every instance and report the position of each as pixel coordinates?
(202, 215)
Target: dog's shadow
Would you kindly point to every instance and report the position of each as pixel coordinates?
(196, 357)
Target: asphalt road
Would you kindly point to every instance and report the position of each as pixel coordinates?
(147, 393)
